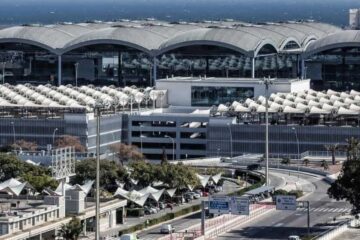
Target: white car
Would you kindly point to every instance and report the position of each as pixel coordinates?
(167, 228)
(294, 237)
(130, 236)
(195, 195)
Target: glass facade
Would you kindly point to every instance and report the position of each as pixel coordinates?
(279, 65)
(337, 69)
(208, 96)
(106, 65)
(23, 63)
(203, 60)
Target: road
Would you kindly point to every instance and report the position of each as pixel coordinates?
(276, 180)
(281, 224)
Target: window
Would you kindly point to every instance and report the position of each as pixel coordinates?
(208, 96)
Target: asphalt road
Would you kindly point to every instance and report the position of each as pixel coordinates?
(281, 224)
(189, 221)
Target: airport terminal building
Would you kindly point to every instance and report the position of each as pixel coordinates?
(126, 53)
(191, 89)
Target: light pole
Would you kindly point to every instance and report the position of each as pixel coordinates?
(13, 128)
(298, 149)
(76, 73)
(53, 136)
(231, 140)
(141, 142)
(267, 82)
(173, 142)
(3, 72)
(97, 214)
(99, 104)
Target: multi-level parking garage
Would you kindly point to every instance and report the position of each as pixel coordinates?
(138, 52)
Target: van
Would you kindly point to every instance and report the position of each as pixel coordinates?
(167, 228)
(130, 236)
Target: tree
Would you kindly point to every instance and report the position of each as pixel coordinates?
(11, 167)
(70, 141)
(179, 175)
(24, 145)
(285, 161)
(109, 173)
(164, 159)
(39, 182)
(324, 165)
(306, 162)
(146, 173)
(347, 185)
(37, 176)
(126, 152)
(332, 148)
(71, 230)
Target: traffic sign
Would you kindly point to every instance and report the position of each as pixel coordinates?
(240, 205)
(286, 202)
(219, 204)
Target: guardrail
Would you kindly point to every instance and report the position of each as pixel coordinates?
(334, 232)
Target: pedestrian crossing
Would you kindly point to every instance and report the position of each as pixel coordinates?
(326, 210)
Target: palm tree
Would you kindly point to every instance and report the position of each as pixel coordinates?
(71, 230)
(306, 162)
(324, 164)
(332, 148)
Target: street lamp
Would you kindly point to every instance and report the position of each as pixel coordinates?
(231, 140)
(3, 72)
(99, 104)
(298, 148)
(13, 128)
(173, 142)
(267, 82)
(141, 142)
(76, 73)
(53, 136)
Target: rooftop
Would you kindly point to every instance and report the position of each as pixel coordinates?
(155, 37)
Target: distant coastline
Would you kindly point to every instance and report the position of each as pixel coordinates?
(330, 11)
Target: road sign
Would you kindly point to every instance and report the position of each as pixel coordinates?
(240, 205)
(219, 204)
(286, 202)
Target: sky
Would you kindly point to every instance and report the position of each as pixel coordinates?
(52, 11)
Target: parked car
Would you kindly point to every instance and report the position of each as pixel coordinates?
(161, 205)
(218, 188)
(167, 228)
(199, 192)
(130, 236)
(195, 195)
(205, 194)
(188, 196)
(225, 159)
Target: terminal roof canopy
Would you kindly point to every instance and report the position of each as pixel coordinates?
(155, 37)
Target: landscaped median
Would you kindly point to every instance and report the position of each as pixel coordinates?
(164, 218)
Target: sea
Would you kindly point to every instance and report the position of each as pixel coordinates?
(14, 12)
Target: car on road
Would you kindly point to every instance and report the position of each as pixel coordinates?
(294, 237)
(167, 228)
(253, 167)
(130, 236)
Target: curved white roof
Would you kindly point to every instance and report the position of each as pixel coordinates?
(154, 37)
(336, 40)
